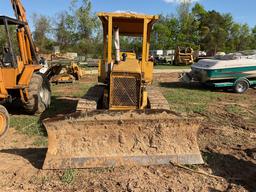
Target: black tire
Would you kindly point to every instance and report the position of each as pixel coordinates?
(241, 86)
(4, 121)
(77, 77)
(39, 95)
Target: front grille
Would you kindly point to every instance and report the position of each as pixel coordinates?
(125, 91)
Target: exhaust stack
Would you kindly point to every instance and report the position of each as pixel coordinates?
(117, 43)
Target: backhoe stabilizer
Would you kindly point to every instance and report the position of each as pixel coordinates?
(110, 139)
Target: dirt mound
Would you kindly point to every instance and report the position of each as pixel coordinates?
(227, 146)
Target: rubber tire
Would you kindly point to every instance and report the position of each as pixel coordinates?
(6, 115)
(36, 103)
(245, 83)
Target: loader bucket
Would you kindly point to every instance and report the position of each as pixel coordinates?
(121, 138)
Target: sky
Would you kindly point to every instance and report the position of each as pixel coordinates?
(243, 11)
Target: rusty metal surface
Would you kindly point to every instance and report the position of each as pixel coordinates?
(104, 140)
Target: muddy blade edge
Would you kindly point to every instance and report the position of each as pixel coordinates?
(110, 141)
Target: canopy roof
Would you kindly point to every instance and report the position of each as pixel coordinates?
(130, 24)
(10, 21)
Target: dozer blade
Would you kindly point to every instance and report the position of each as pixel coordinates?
(117, 139)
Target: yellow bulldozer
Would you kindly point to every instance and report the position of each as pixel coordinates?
(124, 119)
(19, 67)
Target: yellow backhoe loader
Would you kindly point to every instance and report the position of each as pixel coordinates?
(60, 73)
(19, 66)
(124, 120)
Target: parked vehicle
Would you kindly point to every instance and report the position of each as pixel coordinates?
(237, 70)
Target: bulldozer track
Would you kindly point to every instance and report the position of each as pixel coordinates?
(156, 99)
(90, 101)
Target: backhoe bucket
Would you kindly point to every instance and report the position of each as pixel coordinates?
(117, 139)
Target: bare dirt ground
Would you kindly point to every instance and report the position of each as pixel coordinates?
(227, 140)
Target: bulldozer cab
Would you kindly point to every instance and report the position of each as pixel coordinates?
(131, 25)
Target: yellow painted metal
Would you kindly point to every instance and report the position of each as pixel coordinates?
(3, 91)
(27, 74)
(130, 55)
(132, 16)
(129, 24)
(27, 42)
(9, 77)
(144, 100)
(29, 55)
(148, 72)
(144, 45)
(148, 40)
(3, 122)
(101, 71)
(110, 36)
(105, 46)
(101, 67)
(20, 65)
(129, 66)
(20, 35)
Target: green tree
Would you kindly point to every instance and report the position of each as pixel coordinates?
(165, 33)
(188, 34)
(215, 31)
(78, 29)
(65, 32)
(240, 37)
(253, 38)
(42, 25)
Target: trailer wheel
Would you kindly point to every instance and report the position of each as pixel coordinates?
(39, 95)
(241, 86)
(4, 121)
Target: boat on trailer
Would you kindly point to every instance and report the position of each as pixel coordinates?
(236, 70)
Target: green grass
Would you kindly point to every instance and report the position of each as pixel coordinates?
(171, 67)
(83, 88)
(103, 170)
(32, 126)
(77, 89)
(192, 167)
(41, 142)
(86, 68)
(59, 106)
(184, 100)
(68, 176)
(235, 109)
(208, 157)
(28, 125)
